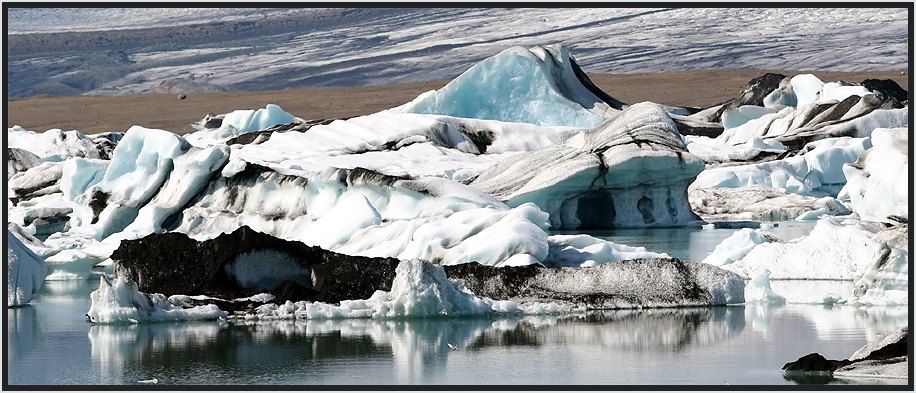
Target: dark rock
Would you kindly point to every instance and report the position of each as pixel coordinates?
(360, 175)
(894, 351)
(710, 130)
(482, 139)
(887, 88)
(250, 138)
(344, 277)
(814, 362)
(212, 121)
(832, 112)
(602, 287)
(494, 282)
(97, 202)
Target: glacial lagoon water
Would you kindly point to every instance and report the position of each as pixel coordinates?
(51, 343)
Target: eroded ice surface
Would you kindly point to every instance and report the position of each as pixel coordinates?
(631, 171)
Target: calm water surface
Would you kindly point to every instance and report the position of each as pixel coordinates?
(50, 342)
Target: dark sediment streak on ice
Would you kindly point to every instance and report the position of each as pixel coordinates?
(173, 263)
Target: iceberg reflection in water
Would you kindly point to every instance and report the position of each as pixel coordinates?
(689, 344)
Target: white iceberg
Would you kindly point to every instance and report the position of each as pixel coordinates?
(834, 250)
(758, 290)
(875, 259)
(885, 278)
(735, 247)
(25, 272)
(806, 109)
(157, 182)
(122, 302)
(241, 122)
(817, 171)
(878, 182)
(53, 145)
(78, 174)
(585, 250)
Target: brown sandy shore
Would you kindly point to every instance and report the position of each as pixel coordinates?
(93, 114)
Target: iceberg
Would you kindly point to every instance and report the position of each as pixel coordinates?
(78, 174)
(419, 289)
(854, 117)
(758, 290)
(122, 302)
(140, 165)
(56, 145)
(803, 108)
(42, 179)
(834, 250)
(540, 85)
(239, 122)
(631, 171)
(761, 203)
(19, 160)
(873, 257)
(157, 182)
(816, 171)
(878, 184)
(885, 278)
(25, 272)
(735, 247)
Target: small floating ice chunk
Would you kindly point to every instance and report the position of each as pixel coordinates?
(736, 246)
(122, 302)
(585, 250)
(758, 290)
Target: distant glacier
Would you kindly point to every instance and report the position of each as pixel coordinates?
(127, 51)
